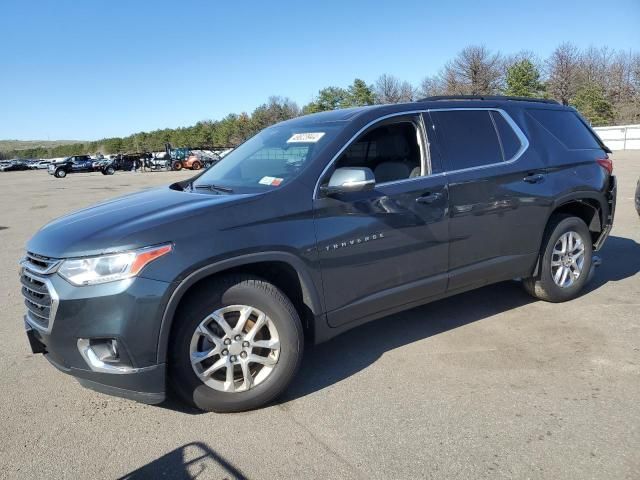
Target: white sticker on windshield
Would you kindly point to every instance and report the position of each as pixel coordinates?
(308, 137)
(273, 181)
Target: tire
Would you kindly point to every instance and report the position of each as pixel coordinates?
(235, 292)
(196, 166)
(543, 286)
(60, 173)
(110, 171)
(177, 166)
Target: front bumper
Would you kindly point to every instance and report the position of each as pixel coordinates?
(128, 311)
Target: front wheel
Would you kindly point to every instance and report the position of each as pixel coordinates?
(236, 345)
(566, 258)
(60, 173)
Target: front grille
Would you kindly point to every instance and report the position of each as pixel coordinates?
(40, 264)
(40, 300)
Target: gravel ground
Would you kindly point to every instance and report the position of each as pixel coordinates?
(488, 384)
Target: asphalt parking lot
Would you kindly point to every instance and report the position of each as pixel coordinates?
(488, 384)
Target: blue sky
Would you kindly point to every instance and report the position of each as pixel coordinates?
(92, 69)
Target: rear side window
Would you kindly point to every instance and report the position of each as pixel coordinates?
(567, 127)
(467, 138)
(508, 139)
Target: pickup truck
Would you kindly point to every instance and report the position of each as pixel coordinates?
(78, 164)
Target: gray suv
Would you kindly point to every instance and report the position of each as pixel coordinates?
(210, 287)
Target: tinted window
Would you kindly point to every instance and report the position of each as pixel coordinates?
(466, 138)
(508, 138)
(567, 127)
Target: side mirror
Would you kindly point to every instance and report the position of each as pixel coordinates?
(350, 179)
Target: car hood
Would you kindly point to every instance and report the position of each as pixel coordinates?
(128, 222)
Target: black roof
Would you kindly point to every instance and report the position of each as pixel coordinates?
(371, 112)
(488, 97)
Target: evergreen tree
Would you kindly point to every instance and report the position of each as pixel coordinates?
(523, 79)
(360, 94)
(328, 98)
(591, 102)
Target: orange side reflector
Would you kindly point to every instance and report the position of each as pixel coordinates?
(147, 257)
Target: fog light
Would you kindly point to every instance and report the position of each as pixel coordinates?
(104, 355)
(105, 349)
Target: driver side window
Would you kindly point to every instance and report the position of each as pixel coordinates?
(393, 152)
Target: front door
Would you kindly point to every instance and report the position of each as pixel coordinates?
(386, 248)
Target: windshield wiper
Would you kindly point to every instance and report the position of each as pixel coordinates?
(212, 187)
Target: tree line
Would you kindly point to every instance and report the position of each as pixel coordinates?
(602, 83)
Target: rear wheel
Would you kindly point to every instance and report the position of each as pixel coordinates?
(566, 258)
(236, 345)
(177, 166)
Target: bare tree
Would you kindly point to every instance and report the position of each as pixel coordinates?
(563, 68)
(431, 87)
(407, 92)
(620, 78)
(474, 71)
(594, 65)
(389, 89)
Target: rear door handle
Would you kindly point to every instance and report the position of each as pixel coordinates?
(534, 178)
(429, 197)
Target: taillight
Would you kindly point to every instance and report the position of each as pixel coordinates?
(606, 163)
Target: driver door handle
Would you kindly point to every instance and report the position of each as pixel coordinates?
(534, 178)
(429, 197)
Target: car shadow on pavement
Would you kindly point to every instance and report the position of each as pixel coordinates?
(620, 260)
(356, 349)
(191, 461)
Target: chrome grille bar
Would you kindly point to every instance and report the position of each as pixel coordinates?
(40, 297)
(40, 264)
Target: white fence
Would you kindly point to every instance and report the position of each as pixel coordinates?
(624, 137)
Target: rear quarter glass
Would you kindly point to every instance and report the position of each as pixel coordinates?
(508, 138)
(566, 127)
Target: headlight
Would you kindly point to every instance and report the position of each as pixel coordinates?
(109, 268)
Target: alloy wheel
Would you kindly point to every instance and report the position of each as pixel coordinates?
(234, 348)
(567, 259)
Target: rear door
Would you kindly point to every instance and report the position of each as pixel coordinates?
(386, 248)
(495, 193)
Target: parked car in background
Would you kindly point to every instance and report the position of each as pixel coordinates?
(319, 224)
(78, 164)
(130, 161)
(14, 166)
(159, 161)
(102, 165)
(41, 165)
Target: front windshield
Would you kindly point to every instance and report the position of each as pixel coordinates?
(270, 159)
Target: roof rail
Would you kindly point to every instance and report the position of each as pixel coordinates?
(487, 97)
